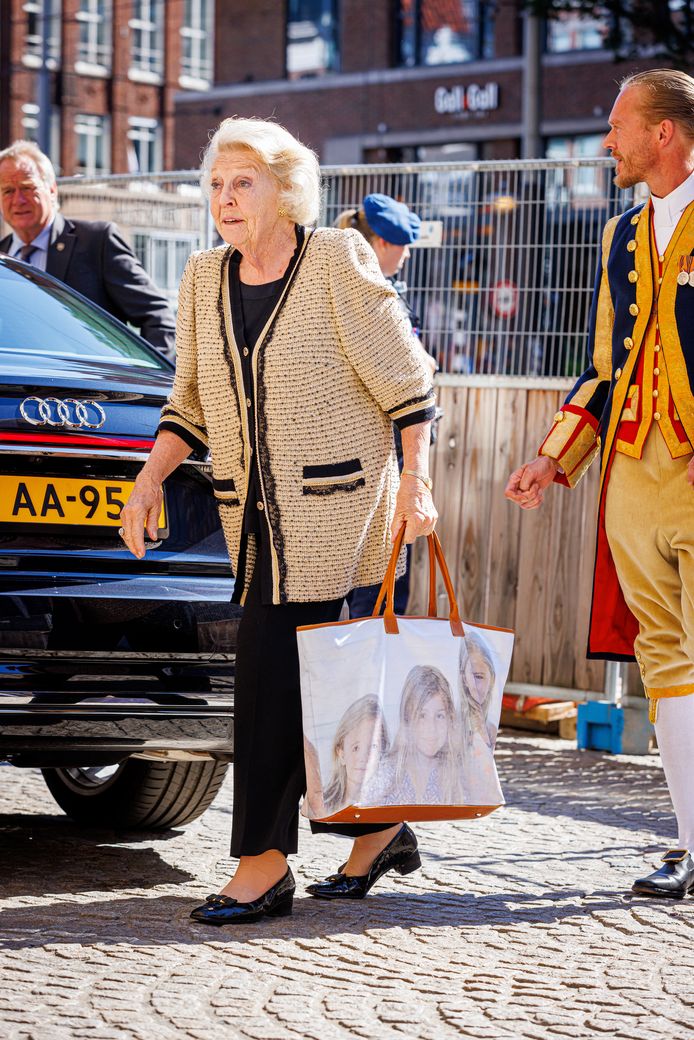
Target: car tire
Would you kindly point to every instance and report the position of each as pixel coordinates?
(137, 794)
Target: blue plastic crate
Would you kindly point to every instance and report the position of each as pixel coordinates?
(599, 726)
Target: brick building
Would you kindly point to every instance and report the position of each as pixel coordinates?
(402, 80)
(111, 68)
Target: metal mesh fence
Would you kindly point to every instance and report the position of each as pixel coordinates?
(507, 291)
(502, 283)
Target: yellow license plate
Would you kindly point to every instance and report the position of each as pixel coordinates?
(64, 500)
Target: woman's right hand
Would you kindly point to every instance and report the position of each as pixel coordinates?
(141, 512)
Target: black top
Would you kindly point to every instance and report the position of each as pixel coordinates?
(251, 307)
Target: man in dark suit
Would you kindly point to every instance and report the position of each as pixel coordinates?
(89, 256)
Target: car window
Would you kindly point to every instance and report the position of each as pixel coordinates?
(40, 317)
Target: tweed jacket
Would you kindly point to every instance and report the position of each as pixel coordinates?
(335, 366)
(587, 423)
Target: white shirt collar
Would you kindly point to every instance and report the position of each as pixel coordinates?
(668, 210)
(42, 240)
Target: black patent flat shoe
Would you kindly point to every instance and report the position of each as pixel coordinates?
(400, 854)
(276, 902)
(674, 879)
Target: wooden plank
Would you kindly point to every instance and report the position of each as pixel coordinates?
(535, 532)
(504, 516)
(472, 569)
(446, 469)
(565, 555)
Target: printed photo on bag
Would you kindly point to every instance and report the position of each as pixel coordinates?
(408, 721)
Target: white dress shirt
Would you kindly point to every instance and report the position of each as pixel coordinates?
(668, 210)
(40, 245)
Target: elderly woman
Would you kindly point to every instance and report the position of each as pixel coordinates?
(294, 361)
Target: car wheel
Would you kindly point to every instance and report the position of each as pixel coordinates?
(136, 794)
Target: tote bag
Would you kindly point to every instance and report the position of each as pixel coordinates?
(400, 713)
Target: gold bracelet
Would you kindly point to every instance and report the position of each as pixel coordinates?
(420, 476)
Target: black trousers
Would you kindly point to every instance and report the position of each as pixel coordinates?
(269, 776)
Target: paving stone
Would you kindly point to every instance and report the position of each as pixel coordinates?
(519, 925)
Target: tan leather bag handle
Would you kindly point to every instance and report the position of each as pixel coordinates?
(387, 590)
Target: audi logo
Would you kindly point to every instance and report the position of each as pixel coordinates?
(51, 411)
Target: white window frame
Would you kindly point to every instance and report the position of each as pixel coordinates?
(95, 20)
(197, 71)
(148, 132)
(147, 66)
(95, 128)
(33, 44)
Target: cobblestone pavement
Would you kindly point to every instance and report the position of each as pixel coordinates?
(519, 925)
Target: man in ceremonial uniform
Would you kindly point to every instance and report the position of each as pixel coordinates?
(634, 407)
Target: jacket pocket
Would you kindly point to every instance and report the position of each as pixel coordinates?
(336, 476)
(225, 492)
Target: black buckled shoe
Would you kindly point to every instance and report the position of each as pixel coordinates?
(276, 902)
(399, 854)
(674, 879)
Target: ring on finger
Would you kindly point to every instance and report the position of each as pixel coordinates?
(121, 532)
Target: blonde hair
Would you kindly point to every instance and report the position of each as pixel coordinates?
(473, 713)
(366, 708)
(422, 683)
(29, 150)
(355, 218)
(292, 164)
(668, 94)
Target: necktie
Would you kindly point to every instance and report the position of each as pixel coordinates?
(26, 251)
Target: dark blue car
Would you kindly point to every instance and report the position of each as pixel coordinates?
(116, 675)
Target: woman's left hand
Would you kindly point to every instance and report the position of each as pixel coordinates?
(415, 508)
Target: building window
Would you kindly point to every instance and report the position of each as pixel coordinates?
(93, 145)
(147, 27)
(312, 38)
(31, 118)
(33, 40)
(444, 32)
(196, 44)
(144, 145)
(94, 48)
(164, 257)
(584, 181)
(573, 31)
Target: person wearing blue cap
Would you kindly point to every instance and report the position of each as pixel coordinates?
(390, 228)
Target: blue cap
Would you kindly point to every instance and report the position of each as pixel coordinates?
(391, 220)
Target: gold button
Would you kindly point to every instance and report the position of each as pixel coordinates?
(657, 347)
(628, 342)
(598, 441)
(618, 373)
(655, 393)
(634, 219)
(656, 416)
(260, 505)
(660, 281)
(633, 276)
(245, 352)
(633, 309)
(559, 416)
(248, 402)
(656, 371)
(631, 246)
(661, 259)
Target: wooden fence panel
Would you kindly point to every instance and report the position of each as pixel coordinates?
(531, 571)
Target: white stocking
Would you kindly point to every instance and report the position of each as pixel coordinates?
(674, 729)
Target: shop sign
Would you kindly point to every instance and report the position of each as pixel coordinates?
(430, 234)
(473, 98)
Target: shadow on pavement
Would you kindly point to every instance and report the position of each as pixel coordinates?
(164, 921)
(50, 855)
(585, 785)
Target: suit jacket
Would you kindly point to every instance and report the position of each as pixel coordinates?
(587, 423)
(335, 366)
(91, 257)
